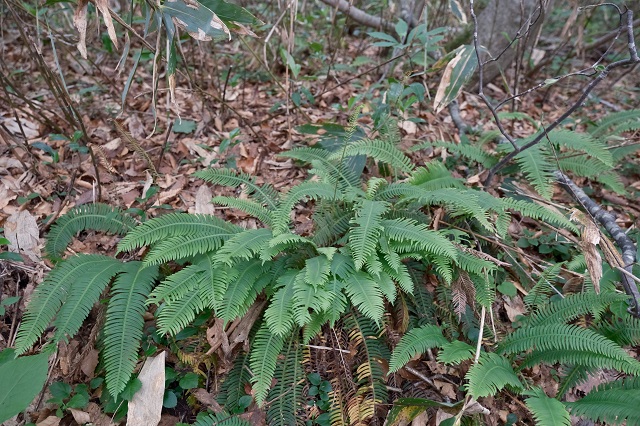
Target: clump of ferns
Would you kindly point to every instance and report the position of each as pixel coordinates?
(548, 334)
(361, 261)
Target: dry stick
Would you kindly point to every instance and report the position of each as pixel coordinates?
(633, 59)
(608, 221)
(359, 15)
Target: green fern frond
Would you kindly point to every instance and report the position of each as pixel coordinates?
(581, 165)
(573, 306)
(265, 349)
(400, 190)
(455, 352)
(242, 290)
(330, 225)
(400, 274)
(492, 373)
(612, 181)
(562, 337)
(177, 285)
(419, 236)
(214, 281)
(286, 396)
(317, 270)
(589, 359)
(538, 169)
(264, 194)
(279, 314)
(614, 403)
(305, 191)
(364, 237)
(416, 341)
(54, 291)
(319, 159)
(572, 375)
(124, 324)
(84, 291)
(473, 264)
(172, 225)
(97, 217)
(243, 246)
(185, 246)
(472, 152)
(624, 150)
(604, 125)
(365, 294)
(233, 385)
(434, 175)
(582, 142)
(460, 203)
(177, 314)
(546, 411)
(517, 115)
(379, 150)
(222, 418)
(250, 207)
(536, 211)
(625, 331)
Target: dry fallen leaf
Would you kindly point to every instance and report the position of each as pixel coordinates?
(21, 229)
(145, 408)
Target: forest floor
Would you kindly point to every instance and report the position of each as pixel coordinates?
(256, 122)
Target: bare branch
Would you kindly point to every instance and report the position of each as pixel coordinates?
(359, 15)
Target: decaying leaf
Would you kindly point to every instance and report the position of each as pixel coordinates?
(146, 406)
(458, 71)
(80, 21)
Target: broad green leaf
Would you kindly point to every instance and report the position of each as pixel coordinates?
(21, 379)
(197, 19)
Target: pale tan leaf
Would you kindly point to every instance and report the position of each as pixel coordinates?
(80, 416)
(80, 21)
(203, 201)
(50, 421)
(103, 7)
(21, 229)
(145, 408)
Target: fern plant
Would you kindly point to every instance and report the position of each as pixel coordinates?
(593, 154)
(371, 235)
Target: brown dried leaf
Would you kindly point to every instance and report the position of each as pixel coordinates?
(103, 7)
(80, 21)
(21, 229)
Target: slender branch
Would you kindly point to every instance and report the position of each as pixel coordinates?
(608, 221)
(359, 15)
(633, 59)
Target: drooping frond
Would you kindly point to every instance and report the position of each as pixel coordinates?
(418, 236)
(492, 373)
(565, 338)
(55, 290)
(586, 358)
(434, 176)
(364, 237)
(240, 289)
(581, 165)
(379, 150)
(604, 125)
(416, 341)
(319, 158)
(250, 207)
(172, 225)
(264, 194)
(185, 246)
(612, 181)
(573, 306)
(279, 314)
(330, 224)
(536, 211)
(472, 152)
(317, 270)
(265, 349)
(243, 246)
(234, 384)
(455, 352)
(123, 327)
(97, 217)
(177, 285)
(582, 142)
(614, 403)
(625, 331)
(305, 191)
(176, 314)
(365, 294)
(546, 411)
(286, 395)
(538, 169)
(460, 203)
(84, 291)
(221, 418)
